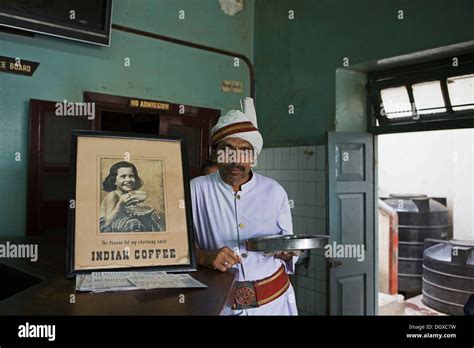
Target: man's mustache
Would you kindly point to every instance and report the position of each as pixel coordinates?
(234, 166)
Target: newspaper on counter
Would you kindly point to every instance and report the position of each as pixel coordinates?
(121, 281)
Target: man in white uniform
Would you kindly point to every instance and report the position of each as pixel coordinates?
(235, 204)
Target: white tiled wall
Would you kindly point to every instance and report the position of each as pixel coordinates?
(301, 171)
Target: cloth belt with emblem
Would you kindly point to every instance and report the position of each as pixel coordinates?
(254, 294)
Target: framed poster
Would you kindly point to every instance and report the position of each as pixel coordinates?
(130, 205)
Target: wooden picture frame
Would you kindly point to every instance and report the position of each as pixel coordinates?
(130, 204)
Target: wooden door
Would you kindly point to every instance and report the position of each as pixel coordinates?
(196, 132)
(48, 166)
(352, 285)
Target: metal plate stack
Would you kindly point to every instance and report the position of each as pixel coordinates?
(419, 217)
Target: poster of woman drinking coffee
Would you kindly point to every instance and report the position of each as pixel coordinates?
(132, 204)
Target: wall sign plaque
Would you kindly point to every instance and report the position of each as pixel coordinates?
(17, 66)
(232, 86)
(148, 104)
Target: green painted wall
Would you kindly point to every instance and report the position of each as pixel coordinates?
(296, 60)
(158, 70)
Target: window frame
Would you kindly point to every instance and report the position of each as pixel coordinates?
(438, 70)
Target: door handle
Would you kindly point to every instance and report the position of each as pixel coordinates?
(334, 263)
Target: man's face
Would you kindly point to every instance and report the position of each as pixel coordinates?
(234, 157)
(125, 180)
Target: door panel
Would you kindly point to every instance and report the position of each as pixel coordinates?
(129, 122)
(351, 214)
(196, 133)
(351, 223)
(56, 139)
(351, 294)
(48, 166)
(55, 186)
(350, 162)
(193, 138)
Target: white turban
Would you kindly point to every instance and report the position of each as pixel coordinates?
(238, 124)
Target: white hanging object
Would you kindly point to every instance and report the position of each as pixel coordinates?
(231, 7)
(248, 108)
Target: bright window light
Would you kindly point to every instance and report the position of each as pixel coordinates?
(428, 97)
(395, 102)
(461, 92)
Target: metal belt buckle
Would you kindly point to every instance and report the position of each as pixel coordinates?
(245, 296)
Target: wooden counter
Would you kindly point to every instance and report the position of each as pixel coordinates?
(53, 294)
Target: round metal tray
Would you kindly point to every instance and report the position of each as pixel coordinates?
(286, 243)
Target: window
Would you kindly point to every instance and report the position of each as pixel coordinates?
(429, 95)
(461, 92)
(395, 102)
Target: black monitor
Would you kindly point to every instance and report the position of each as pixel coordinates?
(82, 20)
